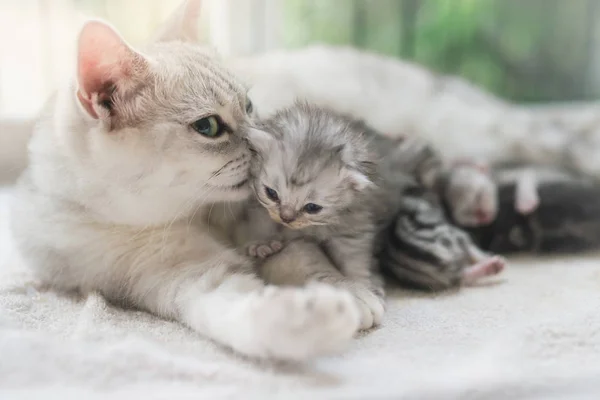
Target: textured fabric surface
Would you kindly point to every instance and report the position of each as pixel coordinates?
(534, 332)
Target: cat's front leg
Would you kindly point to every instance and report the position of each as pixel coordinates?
(302, 262)
(264, 249)
(216, 292)
(257, 234)
(353, 256)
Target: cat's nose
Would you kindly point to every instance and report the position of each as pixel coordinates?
(287, 214)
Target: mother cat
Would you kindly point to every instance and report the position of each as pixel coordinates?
(121, 162)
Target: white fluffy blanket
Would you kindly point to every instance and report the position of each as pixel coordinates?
(533, 333)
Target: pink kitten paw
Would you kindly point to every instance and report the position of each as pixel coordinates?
(264, 249)
(527, 205)
(488, 267)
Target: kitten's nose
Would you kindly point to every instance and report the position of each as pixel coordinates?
(287, 214)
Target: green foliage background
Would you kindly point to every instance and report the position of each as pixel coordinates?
(524, 50)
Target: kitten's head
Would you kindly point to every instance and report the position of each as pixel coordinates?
(162, 127)
(471, 196)
(310, 165)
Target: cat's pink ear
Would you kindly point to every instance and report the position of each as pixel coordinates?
(182, 25)
(105, 63)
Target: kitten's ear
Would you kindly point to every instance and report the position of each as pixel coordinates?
(259, 140)
(182, 25)
(105, 64)
(358, 180)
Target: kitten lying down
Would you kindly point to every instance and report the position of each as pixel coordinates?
(122, 161)
(421, 247)
(536, 208)
(425, 251)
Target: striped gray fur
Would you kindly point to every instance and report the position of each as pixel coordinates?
(422, 249)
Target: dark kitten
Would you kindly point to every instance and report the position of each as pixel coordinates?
(566, 220)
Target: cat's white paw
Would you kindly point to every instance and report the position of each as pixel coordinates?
(264, 249)
(371, 306)
(301, 323)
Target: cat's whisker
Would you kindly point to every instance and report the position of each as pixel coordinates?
(199, 206)
(231, 211)
(210, 212)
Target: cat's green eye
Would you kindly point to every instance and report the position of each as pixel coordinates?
(208, 126)
(249, 106)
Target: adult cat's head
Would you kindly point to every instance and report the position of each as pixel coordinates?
(153, 133)
(310, 165)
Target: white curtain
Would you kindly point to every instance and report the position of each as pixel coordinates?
(37, 37)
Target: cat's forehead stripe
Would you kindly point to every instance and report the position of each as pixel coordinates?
(227, 89)
(224, 90)
(205, 77)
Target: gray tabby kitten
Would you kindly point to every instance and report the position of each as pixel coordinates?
(314, 178)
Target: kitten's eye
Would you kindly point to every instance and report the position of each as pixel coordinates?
(271, 194)
(312, 208)
(249, 107)
(208, 126)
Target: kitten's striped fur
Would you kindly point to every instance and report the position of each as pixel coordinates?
(423, 250)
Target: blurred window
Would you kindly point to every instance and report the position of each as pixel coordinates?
(525, 50)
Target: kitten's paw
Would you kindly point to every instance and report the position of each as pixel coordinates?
(371, 306)
(527, 197)
(301, 323)
(264, 249)
(489, 267)
(526, 204)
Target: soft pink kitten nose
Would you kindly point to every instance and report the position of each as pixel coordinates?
(287, 214)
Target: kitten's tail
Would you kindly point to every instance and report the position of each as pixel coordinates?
(14, 136)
